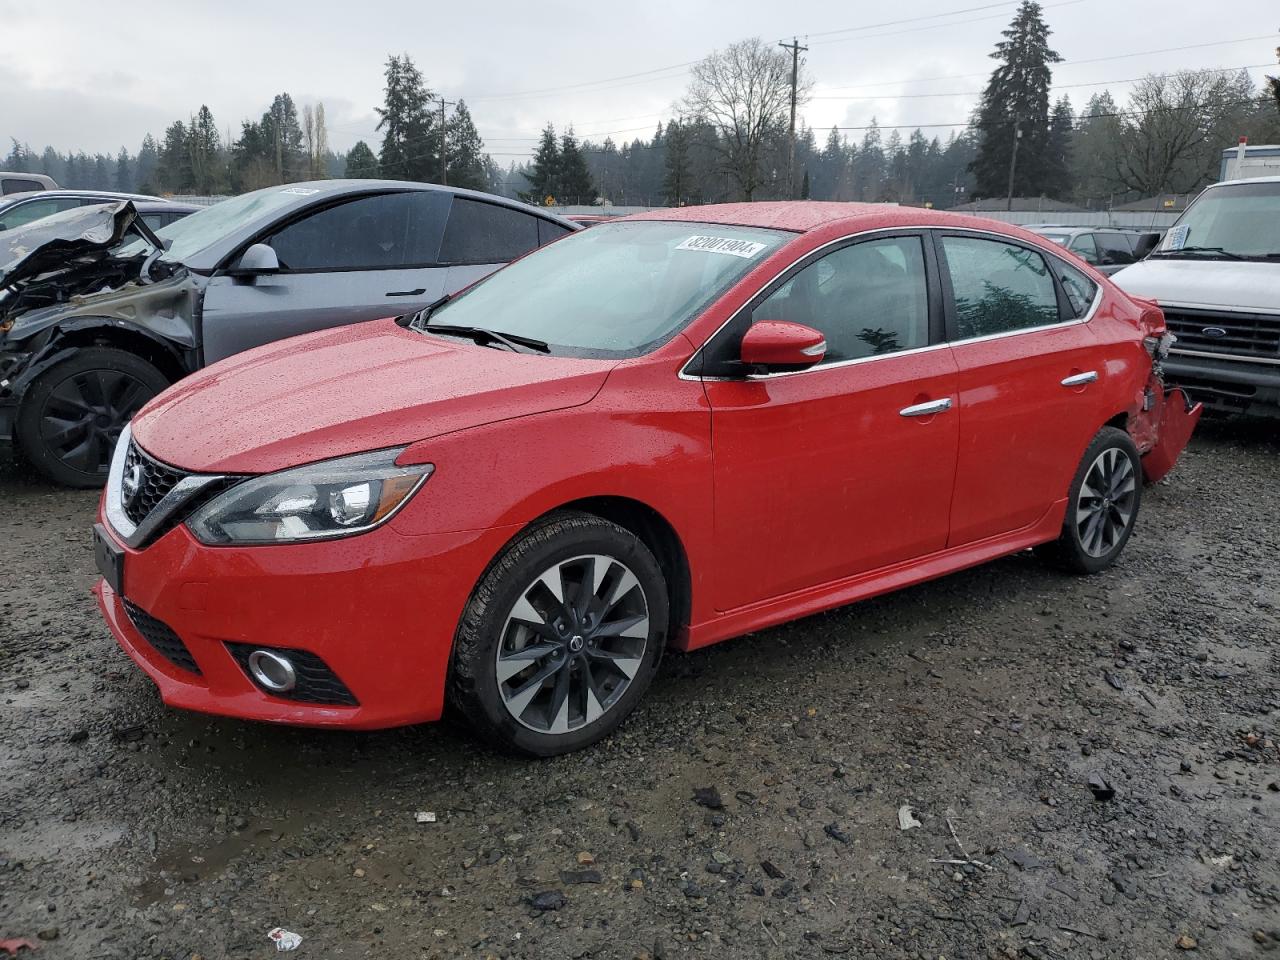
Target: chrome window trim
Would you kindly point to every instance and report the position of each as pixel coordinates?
(685, 374)
(135, 535)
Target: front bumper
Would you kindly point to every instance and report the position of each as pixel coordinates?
(380, 609)
(1233, 386)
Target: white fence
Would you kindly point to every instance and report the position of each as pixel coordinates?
(1157, 220)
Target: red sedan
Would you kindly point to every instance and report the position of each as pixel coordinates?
(664, 431)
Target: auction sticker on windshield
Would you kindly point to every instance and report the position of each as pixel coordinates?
(747, 249)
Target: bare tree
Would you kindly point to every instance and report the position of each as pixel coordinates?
(1173, 131)
(744, 91)
(315, 140)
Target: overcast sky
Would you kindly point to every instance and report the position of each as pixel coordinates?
(95, 76)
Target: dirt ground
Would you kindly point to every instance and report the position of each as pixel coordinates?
(985, 702)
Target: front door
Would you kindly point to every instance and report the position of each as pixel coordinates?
(371, 257)
(1029, 370)
(847, 466)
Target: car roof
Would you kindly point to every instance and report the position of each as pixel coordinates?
(807, 216)
(106, 195)
(1225, 183)
(165, 206)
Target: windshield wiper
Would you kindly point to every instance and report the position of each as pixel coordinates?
(414, 320)
(1218, 251)
(513, 342)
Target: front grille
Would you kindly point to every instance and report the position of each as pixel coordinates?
(161, 637)
(316, 682)
(154, 480)
(1245, 334)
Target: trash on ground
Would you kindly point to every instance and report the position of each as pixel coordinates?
(906, 819)
(548, 900)
(425, 816)
(1101, 789)
(708, 797)
(284, 939)
(11, 947)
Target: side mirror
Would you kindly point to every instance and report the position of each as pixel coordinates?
(259, 258)
(782, 345)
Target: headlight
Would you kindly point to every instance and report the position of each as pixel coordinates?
(333, 498)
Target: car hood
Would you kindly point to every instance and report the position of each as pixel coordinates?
(67, 240)
(1217, 284)
(364, 387)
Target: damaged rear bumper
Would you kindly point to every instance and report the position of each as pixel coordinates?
(1174, 417)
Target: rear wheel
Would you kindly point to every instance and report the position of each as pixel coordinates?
(1103, 504)
(72, 414)
(562, 636)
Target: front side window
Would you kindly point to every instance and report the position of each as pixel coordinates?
(481, 232)
(618, 289)
(1115, 249)
(387, 231)
(998, 287)
(24, 213)
(1233, 220)
(867, 299)
(1084, 247)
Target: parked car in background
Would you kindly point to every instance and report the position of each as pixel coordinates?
(24, 182)
(19, 209)
(1216, 274)
(669, 429)
(83, 345)
(157, 214)
(1110, 250)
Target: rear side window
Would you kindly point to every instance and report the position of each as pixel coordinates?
(17, 185)
(32, 210)
(1114, 248)
(1084, 247)
(481, 232)
(1080, 290)
(385, 232)
(548, 231)
(998, 287)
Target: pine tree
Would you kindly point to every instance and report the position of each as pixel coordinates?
(544, 174)
(677, 175)
(465, 154)
(174, 169)
(124, 172)
(868, 166)
(283, 139)
(575, 178)
(804, 185)
(361, 163)
(145, 167)
(1015, 106)
(407, 124)
(205, 149)
(1058, 152)
(17, 161)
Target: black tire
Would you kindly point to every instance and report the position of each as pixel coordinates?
(487, 627)
(72, 413)
(1092, 532)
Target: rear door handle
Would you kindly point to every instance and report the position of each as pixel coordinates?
(927, 409)
(1080, 379)
(407, 293)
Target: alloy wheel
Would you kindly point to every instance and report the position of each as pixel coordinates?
(83, 417)
(572, 644)
(1105, 506)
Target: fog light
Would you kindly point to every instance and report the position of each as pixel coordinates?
(272, 671)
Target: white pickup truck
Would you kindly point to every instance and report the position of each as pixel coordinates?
(1216, 274)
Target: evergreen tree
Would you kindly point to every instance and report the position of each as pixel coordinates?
(1058, 181)
(677, 176)
(174, 169)
(868, 166)
(407, 124)
(283, 138)
(1015, 106)
(575, 178)
(804, 185)
(124, 172)
(465, 151)
(17, 160)
(205, 148)
(144, 174)
(361, 163)
(101, 179)
(544, 174)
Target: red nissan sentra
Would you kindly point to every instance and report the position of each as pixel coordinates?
(666, 430)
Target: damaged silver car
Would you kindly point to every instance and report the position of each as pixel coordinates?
(98, 313)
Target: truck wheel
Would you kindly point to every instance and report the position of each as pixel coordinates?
(72, 414)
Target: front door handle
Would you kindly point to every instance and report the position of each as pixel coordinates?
(927, 409)
(407, 293)
(1080, 379)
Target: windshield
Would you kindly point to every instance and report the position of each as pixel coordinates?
(1241, 219)
(192, 234)
(618, 289)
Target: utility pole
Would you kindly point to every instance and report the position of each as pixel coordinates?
(1013, 160)
(444, 143)
(796, 50)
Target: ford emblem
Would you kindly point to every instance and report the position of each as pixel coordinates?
(1214, 332)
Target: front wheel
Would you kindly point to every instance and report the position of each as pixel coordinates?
(561, 637)
(73, 413)
(1102, 507)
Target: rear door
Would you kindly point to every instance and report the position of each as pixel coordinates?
(1029, 374)
(481, 237)
(362, 259)
(847, 466)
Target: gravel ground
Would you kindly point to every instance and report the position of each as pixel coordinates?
(985, 701)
